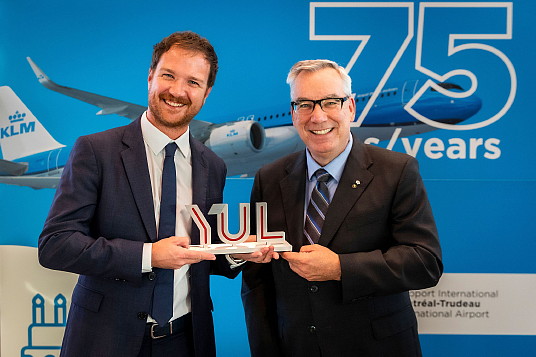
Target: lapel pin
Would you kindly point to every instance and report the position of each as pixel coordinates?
(357, 183)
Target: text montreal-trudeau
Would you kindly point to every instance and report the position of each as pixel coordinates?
(445, 303)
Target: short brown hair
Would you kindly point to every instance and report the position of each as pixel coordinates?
(192, 42)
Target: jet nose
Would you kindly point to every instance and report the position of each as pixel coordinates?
(467, 107)
(473, 104)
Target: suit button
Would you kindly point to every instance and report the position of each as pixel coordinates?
(313, 288)
(142, 315)
(312, 329)
(151, 276)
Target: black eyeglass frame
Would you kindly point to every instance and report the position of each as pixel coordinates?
(319, 102)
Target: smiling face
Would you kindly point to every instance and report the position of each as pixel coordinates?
(325, 135)
(177, 90)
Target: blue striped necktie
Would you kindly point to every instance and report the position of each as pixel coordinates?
(318, 207)
(162, 310)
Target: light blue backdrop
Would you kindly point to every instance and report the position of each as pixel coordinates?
(483, 206)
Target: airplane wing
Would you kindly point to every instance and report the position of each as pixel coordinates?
(31, 181)
(12, 168)
(109, 105)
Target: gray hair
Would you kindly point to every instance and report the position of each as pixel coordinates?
(317, 65)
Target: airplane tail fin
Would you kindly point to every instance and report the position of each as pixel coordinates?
(21, 134)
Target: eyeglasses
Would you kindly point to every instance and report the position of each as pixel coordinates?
(328, 105)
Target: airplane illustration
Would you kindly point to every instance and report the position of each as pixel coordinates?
(248, 140)
(31, 156)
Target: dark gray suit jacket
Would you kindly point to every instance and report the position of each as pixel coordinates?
(387, 241)
(101, 216)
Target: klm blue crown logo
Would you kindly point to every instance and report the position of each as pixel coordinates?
(17, 117)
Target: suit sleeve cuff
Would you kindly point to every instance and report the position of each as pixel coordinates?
(234, 263)
(146, 266)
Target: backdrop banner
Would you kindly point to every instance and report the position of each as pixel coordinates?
(449, 83)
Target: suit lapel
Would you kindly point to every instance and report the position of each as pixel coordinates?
(135, 164)
(293, 197)
(354, 180)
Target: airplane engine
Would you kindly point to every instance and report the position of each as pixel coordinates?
(237, 138)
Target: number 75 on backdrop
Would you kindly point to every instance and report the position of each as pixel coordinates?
(476, 24)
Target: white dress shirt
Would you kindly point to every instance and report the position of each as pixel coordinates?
(155, 142)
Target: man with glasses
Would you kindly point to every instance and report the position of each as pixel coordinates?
(361, 228)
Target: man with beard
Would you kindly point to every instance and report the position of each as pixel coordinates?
(119, 219)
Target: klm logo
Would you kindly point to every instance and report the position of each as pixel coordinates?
(18, 126)
(232, 133)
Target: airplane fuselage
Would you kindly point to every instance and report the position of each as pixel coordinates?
(387, 110)
(48, 163)
(250, 139)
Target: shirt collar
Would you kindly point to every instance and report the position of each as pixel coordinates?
(334, 168)
(157, 140)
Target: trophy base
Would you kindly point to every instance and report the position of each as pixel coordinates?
(246, 247)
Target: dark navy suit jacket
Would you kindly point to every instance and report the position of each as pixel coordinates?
(381, 225)
(101, 216)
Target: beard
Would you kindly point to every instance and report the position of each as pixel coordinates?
(168, 119)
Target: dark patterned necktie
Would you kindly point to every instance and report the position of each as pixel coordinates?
(318, 207)
(163, 291)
